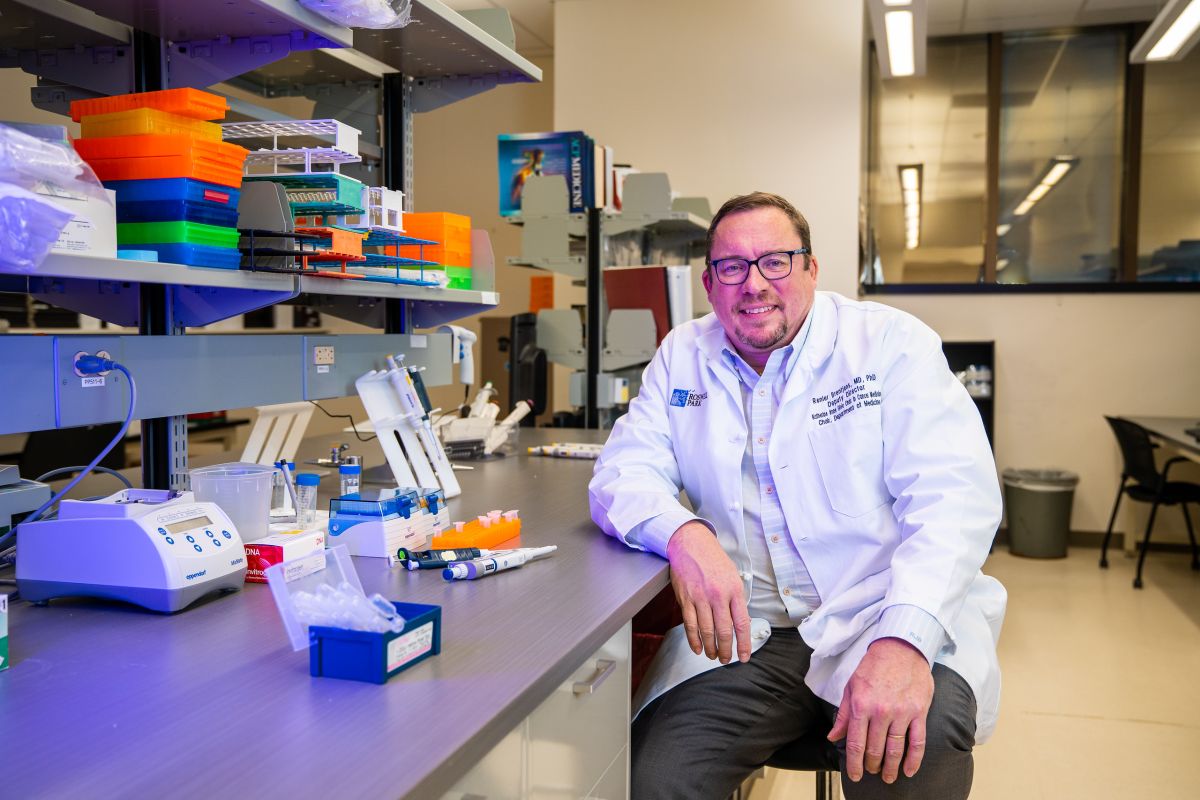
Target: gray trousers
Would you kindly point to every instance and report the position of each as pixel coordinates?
(707, 735)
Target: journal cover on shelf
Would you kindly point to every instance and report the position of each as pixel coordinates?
(566, 153)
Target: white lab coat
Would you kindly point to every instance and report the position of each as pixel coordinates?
(882, 467)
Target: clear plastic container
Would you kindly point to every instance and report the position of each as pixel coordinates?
(242, 491)
(307, 574)
(307, 484)
(351, 479)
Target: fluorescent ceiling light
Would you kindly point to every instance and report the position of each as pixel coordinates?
(910, 192)
(1003, 229)
(1171, 35)
(1056, 169)
(899, 26)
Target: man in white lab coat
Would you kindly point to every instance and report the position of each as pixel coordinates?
(845, 497)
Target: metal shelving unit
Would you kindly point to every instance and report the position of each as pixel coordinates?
(87, 48)
(575, 244)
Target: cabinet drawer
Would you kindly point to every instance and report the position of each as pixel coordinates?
(579, 730)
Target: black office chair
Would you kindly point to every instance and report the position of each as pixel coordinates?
(1149, 486)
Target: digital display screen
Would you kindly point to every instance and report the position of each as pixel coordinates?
(188, 524)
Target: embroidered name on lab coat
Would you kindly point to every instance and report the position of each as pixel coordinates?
(684, 398)
(860, 393)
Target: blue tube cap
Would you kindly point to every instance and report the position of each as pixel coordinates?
(308, 479)
(350, 469)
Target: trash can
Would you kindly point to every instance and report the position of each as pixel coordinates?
(1039, 511)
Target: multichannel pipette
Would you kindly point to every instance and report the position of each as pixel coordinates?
(480, 567)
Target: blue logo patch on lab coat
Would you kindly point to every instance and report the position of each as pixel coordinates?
(684, 398)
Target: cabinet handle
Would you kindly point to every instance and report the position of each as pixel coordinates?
(604, 668)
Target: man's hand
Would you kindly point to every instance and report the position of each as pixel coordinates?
(709, 591)
(886, 700)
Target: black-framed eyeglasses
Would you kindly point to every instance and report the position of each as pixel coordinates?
(773, 266)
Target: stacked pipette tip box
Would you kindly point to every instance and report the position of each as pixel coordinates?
(177, 182)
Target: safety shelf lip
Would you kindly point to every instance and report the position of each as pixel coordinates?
(123, 270)
(382, 291)
(441, 43)
(190, 20)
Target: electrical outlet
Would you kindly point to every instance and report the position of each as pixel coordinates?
(323, 355)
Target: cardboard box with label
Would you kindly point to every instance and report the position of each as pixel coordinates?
(93, 230)
(279, 546)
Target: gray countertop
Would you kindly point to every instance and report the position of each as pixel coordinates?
(106, 700)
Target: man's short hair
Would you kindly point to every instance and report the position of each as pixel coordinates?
(748, 202)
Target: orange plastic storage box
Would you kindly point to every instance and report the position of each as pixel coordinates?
(186, 102)
(452, 231)
(140, 121)
(134, 158)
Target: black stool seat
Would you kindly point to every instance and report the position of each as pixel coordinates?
(809, 753)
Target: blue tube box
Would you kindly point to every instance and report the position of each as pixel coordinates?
(375, 657)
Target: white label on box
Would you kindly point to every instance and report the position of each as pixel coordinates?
(418, 341)
(295, 570)
(322, 369)
(92, 380)
(413, 644)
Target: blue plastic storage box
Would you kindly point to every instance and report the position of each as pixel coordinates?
(177, 210)
(375, 657)
(175, 189)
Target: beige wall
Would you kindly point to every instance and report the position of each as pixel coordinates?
(1065, 361)
(726, 99)
(677, 85)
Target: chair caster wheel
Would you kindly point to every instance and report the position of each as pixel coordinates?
(1104, 563)
(1137, 583)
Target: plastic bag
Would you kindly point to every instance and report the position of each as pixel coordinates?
(29, 227)
(363, 13)
(27, 161)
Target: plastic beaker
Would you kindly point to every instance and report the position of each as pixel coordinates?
(242, 491)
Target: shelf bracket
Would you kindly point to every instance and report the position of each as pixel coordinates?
(204, 62)
(104, 70)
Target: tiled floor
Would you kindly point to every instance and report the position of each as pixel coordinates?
(1101, 684)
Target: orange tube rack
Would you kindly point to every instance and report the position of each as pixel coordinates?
(187, 102)
(126, 158)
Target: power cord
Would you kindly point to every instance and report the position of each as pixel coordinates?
(89, 365)
(357, 435)
(64, 470)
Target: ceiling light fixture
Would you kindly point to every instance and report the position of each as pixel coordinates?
(910, 192)
(1055, 170)
(1171, 35)
(900, 34)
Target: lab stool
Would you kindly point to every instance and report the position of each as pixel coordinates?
(810, 753)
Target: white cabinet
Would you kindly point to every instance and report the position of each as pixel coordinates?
(575, 745)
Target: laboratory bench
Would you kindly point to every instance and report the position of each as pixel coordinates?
(529, 696)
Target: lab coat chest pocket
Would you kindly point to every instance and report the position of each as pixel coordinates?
(849, 456)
